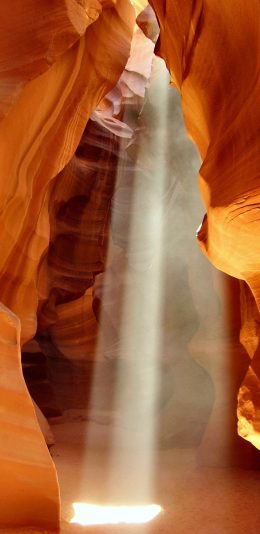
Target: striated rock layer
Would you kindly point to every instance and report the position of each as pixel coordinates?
(79, 217)
(212, 52)
(28, 479)
(35, 37)
(52, 79)
(80, 206)
(52, 110)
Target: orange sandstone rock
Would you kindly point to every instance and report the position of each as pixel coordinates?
(75, 331)
(249, 393)
(28, 478)
(79, 216)
(67, 77)
(34, 35)
(37, 139)
(79, 207)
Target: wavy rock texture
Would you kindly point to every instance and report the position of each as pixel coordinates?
(220, 100)
(45, 32)
(80, 202)
(75, 331)
(52, 110)
(79, 214)
(28, 479)
(79, 206)
(63, 83)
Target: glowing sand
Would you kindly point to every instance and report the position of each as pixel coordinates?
(91, 514)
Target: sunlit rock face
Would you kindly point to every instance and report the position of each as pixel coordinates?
(220, 101)
(29, 488)
(39, 35)
(52, 110)
(52, 80)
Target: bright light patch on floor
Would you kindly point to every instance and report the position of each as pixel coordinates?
(91, 514)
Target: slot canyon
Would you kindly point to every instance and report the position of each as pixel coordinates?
(129, 267)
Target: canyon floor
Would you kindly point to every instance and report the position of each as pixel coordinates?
(194, 499)
(205, 500)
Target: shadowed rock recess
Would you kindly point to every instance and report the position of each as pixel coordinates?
(116, 332)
